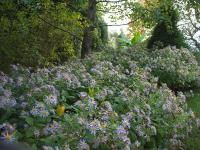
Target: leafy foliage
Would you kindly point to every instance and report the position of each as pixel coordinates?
(190, 19)
(100, 36)
(166, 31)
(138, 37)
(30, 37)
(176, 67)
(162, 17)
(122, 41)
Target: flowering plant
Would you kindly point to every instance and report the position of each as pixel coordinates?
(177, 68)
(98, 103)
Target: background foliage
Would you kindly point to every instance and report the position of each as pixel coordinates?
(40, 33)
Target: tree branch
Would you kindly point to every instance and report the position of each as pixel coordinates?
(56, 27)
(191, 37)
(105, 11)
(59, 28)
(77, 10)
(124, 24)
(193, 24)
(110, 1)
(119, 24)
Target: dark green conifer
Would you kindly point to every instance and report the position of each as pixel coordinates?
(166, 31)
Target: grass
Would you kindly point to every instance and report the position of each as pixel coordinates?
(194, 103)
(193, 142)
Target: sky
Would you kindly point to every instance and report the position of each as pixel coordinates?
(117, 29)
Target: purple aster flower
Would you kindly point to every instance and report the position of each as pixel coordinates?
(7, 138)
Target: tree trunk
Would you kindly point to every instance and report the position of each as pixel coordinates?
(87, 37)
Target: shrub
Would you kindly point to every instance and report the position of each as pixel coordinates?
(166, 31)
(137, 38)
(96, 103)
(122, 41)
(29, 34)
(177, 68)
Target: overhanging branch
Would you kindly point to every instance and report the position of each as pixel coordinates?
(59, 28)
(56, 27)
(110, 1)
(112, 12)
(124, 24)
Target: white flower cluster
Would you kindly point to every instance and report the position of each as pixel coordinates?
(52, 128)
(40, 110)
(6, 98)
(176, 67)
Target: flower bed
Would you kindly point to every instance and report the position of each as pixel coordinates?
(99, 103)
(177, 68)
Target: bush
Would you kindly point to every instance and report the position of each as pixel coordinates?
(98, 103)
(166, 31)
(122, 41)
(30, 37)
(177, 68)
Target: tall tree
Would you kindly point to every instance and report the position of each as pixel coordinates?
(190, 21)
(91, 17)
(166, 31)
(87, 37)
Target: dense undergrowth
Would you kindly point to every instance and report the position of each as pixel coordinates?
(104, 102)
(192, 142)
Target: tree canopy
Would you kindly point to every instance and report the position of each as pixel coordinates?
(54, 31)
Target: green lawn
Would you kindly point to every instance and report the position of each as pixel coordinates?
(193, 142)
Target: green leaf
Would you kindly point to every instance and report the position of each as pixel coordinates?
(29, 120)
